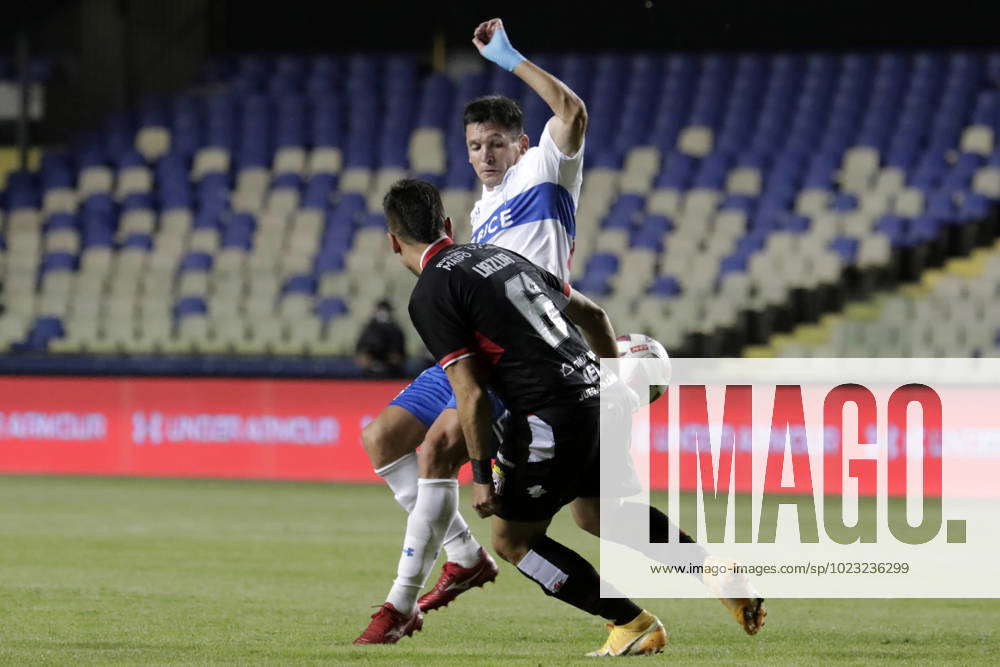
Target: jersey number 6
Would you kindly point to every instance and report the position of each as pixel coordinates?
(537, 308)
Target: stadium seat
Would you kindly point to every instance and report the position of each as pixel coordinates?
(723, 182)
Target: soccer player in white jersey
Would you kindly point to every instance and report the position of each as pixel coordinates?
(528, 204)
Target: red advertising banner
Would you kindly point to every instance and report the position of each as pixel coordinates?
(293, 430)
(251, 429)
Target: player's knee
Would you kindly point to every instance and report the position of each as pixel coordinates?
(435, 461)
(588, 522)
(372, 437)
(442, 454)
(379, 444)
(587, 516)
(512, 551)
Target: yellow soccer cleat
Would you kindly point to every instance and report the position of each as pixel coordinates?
(642, 636)
(736, 593)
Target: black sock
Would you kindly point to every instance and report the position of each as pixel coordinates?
(659, 532)
(628, 517)
(659, 526)
(565, 575)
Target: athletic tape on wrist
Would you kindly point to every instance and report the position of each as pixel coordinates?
(501, 52)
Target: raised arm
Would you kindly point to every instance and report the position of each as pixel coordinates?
(570, 122)
(475, 415)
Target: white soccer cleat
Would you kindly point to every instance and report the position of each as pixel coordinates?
(736, 592)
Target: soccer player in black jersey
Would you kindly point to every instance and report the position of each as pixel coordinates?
(493, 319)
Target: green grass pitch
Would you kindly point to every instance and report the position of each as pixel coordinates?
(169, 571)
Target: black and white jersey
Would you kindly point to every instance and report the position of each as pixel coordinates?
(485, 301)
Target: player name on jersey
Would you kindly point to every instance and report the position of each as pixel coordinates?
(491, 265)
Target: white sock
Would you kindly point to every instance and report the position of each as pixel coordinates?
(401, 476)
(433, 513)
(459, 544)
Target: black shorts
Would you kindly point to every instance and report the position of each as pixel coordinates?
(546, 460)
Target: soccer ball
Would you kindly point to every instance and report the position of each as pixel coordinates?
(640, 346)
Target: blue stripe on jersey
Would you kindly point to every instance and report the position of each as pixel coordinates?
(545, 201)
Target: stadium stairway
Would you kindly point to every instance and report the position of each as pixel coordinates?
(951, 311)
(726, 197)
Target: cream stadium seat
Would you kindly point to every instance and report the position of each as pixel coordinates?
(909, 203)
(987, 182)
(93, 180)
(744, 181)
(63, 240)
(977, 139)
(136, 221)
(356, 179)
(208, 160)
(290, 159)
(641, 165)
(135, 179)
(325, 160)
(427, 151)
(152, 142)
(59, 200)
(695, 140)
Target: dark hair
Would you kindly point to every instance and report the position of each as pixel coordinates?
(498, 110)
(414, 210)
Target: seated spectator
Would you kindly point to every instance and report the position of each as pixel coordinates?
(381, 345)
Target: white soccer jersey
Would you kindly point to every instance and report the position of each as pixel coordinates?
(533, 210)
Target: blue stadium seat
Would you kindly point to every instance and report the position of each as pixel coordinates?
(331, 308)
(188, 306)
(299, 285)
(58, 261)
(57, 221)
(195, 261)
(665, 287)
(141, 241)
(846, 247)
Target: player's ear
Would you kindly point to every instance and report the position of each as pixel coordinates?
(524, 144)
(447, 228)
(394, 242)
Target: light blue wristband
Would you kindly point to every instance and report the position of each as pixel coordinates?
(501, 52)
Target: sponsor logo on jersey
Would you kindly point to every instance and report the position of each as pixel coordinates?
(545, 201)
(452, 259)
(536, 491)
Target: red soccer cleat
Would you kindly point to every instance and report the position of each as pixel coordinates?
(455, 580)
(388, 626)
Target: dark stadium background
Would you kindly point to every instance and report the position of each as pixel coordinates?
(117, 50)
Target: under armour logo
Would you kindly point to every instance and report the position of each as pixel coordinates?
(536, 491)
(408, 551)
(147, 428)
